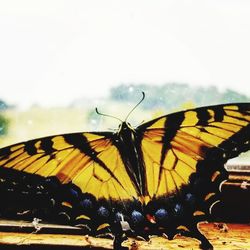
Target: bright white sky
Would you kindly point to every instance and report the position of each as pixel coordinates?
(55, 51)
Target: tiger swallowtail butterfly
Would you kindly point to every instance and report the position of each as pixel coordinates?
(162, 177)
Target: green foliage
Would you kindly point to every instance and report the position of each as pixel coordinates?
(3, 125)
(3, 105)
(3, 121)
(232, 96)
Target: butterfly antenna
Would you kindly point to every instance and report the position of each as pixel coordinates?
(143, 96)
(96, 110)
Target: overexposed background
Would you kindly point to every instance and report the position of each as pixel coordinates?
(55, 51)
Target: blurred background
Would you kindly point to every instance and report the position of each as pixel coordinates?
(61, 59)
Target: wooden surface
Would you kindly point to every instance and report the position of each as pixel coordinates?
(235, 237)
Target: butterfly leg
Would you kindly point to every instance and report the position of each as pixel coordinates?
(119, 238)
(171, 235)
(195, 233)
(120, 228)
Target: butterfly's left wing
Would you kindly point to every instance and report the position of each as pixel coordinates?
(181, 148)
(88, 160)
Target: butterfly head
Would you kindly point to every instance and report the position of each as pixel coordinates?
(125, 126)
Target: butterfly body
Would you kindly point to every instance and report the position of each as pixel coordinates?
(162, 177)
(128, 142)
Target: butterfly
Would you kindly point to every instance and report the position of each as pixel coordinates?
(160, 178)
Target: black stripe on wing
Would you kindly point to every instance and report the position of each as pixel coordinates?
(83, 145)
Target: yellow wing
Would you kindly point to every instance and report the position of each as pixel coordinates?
(89, 160)
(177, 145)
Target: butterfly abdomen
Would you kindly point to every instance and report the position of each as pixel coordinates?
(128, 145)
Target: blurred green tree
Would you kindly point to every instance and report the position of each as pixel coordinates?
(3, 120)
(171, 96)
